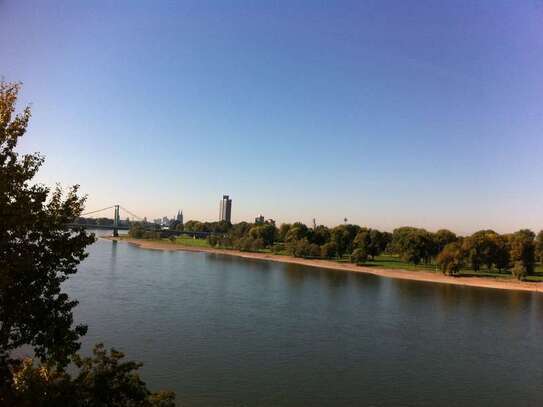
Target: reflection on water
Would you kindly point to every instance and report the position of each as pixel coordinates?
(222, 330)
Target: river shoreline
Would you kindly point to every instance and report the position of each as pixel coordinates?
(483, 282)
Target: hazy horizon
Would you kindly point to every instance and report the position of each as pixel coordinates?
(389, 114)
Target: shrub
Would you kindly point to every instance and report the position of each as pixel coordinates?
(212, 240)
(299, 248)
(329, 250)
(359, 256)
(245, 244)
(519, 271)
(451, 259)
(257, 244)
(523, 250)
(314, 250)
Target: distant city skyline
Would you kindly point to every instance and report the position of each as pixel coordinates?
(386, 113)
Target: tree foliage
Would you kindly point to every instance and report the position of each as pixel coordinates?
(442, 238)
(451, 259)
(37, 254)
(102, 380)
(414, 245)
(371, 241)
(523, 251)
(539, 246)
(343, 237)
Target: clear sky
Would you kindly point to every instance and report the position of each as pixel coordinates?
(426, 113)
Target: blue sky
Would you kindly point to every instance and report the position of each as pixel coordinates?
(427, 113)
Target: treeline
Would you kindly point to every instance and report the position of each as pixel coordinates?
(485, 250)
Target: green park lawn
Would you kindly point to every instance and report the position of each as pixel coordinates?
(180, 240)
(394, 262)
(189, 241)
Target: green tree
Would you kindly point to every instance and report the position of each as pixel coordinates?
(283, 231)
(301, 248)
(329, 250)
(519, 271)
(539, 246)
(320, 235)
(37, 254)
(297, 231)
(102, 380)
(267, 232)
(137, 231)
(359, 255)
(451, 259)
(413, 245)
(442, 238)
(502, 254)
(195, 226)
(343, 236)
(481, 249)
(371, 241)
(239, 230)
(523, 252)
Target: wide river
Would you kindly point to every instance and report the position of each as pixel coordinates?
(222, 330)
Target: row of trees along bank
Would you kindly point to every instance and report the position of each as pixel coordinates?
(485, 250)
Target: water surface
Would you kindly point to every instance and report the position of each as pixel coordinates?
(222, 330)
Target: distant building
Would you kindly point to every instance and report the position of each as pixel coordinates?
(225, 211)
(259, 220)
(157, 221)
(179, 217)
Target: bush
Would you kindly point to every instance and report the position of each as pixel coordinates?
(451, 259)
(359, 256)
(245, 244)
(329, 250)
(519, 271)
(136, 231)
(104, 379)
(523, 250)
(226, 242)
(151, 235)
(314, 250)
(212, 240)
(299, 248)
(257, 245)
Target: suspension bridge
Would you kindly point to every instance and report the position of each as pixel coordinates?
(115, 226)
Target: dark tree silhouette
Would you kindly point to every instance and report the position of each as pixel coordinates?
(38, 253)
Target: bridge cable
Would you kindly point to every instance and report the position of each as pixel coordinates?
(99, 210)
(130, 213)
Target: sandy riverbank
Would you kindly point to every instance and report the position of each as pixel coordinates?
(485, 282)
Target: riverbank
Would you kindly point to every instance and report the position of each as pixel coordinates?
(484, 282)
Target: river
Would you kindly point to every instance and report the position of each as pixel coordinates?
(222, 330)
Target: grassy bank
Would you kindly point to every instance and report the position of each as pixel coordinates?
(394, 262)
(380, 262)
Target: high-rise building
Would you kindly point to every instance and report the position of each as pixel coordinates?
(225, 212)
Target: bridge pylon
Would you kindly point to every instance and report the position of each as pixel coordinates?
(116, 221)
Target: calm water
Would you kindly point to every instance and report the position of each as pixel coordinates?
(221, 330)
